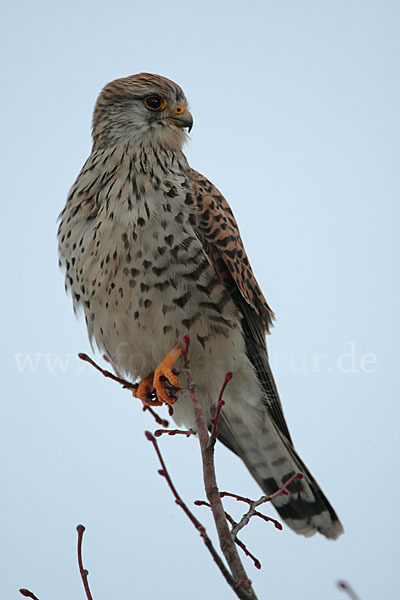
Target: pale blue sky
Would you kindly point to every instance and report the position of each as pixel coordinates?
(296, 108)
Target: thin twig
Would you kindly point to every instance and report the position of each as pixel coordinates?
(28, 594)
(156, 417)
(254, 514)
(187, 432)
(116, 371)
(220, 404)
(200, 528)
(247, 552)
(84, 573)
(254, 503)
(228, 546)
(276, 523)
(241, 544)
(125, 384)
(237, 578)
(343, 585)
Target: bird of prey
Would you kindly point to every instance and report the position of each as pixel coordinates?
(152, 252)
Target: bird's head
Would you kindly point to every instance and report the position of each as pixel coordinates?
(144, 108)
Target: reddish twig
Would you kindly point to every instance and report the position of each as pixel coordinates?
(237, 577)
(164, 473)
(220, 404)
(125, 384)
(241, 544)
(254, 514)
(254, 503)
(236, 497)
(227, 543)
(156, 417)
(187, 432)
(84, 573)
(247, 552)
(281, 491)
(28, 594)
(343, 585)
(200, 528)
(107, 359)
(276, 523)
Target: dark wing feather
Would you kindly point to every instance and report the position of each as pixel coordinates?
(221, 239)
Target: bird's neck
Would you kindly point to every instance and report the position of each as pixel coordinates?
(126, 180)
(141, 157)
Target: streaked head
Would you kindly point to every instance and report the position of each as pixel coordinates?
(143, 108)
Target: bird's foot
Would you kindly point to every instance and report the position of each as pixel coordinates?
(158, 387)
(165, 378)
(145, 391)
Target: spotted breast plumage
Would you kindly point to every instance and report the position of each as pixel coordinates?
(152, 253)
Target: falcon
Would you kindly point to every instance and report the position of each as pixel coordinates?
(152, 252)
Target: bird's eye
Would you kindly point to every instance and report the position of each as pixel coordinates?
(155, 103)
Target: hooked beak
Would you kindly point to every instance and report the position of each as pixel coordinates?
(181, 117)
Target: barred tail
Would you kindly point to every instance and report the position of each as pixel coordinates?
(272, 460)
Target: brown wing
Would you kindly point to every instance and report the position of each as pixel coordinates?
(220, 234)
(221, 239)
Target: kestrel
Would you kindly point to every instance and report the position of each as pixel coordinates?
(152, 253)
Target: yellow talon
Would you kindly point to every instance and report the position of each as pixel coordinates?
(154, 380)
(164, 369)
(144, 389)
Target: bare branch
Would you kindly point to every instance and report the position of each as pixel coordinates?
(241, 544)
(187, 432)
(125, 384)
(84, 573)
(156, 417)
(220, 404)
(28, 594)
(237, 577)
(200, 528)
(247, 552)
(228, 546)
(254, 503)
(343, 585)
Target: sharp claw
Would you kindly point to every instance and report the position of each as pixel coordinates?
(174, 380)
(164, 371)
(162, 381)
(162, 393)
(145, 391)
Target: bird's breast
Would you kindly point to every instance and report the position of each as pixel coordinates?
(144, 280)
